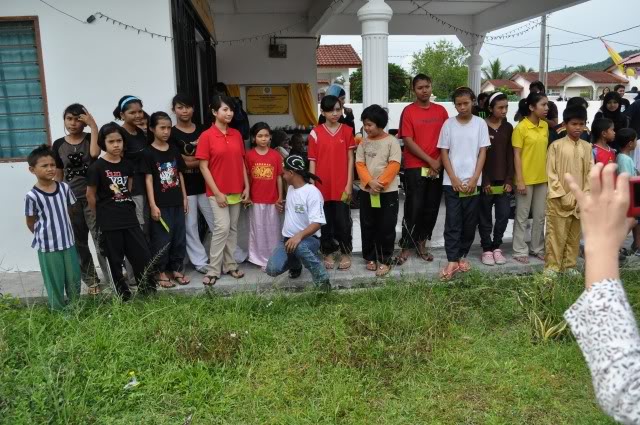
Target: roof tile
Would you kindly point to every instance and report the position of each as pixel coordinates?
(337, 56)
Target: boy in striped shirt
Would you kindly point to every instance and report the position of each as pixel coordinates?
(46, 210)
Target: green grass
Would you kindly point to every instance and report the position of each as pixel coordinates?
(407, 353)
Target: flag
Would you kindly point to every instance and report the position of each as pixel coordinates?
(617, 59)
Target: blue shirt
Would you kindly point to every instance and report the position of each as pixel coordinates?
(626, 164)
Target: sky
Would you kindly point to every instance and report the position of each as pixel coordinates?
(593, 18)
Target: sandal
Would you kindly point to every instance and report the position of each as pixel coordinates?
(539, 256)
(209, 280)
(426, 256)
(94, 290)
(522, 260)
(236, 274)
(383, 269)
(464, 265)
(402, 258)
(345, 262)
(372, 266)
(329, 262)
(181, 279)
(165, 283)
(446, 274)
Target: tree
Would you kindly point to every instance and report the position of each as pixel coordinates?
(399, 82)
(523, 68)
(445, 63)
(495, 72)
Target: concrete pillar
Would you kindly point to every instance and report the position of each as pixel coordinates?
(347, 91)
(374, 17)
(475, 72)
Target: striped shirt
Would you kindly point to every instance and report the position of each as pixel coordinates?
(52, 230)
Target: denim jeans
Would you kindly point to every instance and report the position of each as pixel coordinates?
(305, 254)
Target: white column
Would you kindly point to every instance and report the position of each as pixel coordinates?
(475, 72)
(375, 17)
(347, 92)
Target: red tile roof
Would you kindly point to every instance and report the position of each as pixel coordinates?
(555, 79)
(337, 56)
(511, 85)
(630, 61)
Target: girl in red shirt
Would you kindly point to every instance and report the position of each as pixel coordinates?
(264, 166)
(221, 154)
(331, 147)
(602, 134)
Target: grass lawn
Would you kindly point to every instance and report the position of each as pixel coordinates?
(407, 353)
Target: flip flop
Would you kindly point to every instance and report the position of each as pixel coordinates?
(426, 256)
(162, 283)
(181, 279)
(448, 275)
(236, 274)
(372, 266)
(329, 262)
(464, 265)
(209, 280)
(522, 259)
(345, 263)
(401, 259)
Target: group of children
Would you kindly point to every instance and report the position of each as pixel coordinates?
(139, 192)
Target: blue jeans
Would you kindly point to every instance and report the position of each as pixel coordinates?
(305, 254)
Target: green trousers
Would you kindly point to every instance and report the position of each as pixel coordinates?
(61, 273)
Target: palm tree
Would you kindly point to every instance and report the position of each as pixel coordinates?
(495, 72)
(523, 68)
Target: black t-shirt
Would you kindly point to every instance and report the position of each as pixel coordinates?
(165, 167)
(134, 145)
(186, 144)
(115, 208)
(74, 160)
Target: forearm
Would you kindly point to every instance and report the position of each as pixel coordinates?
(389, 173)
(148, 180)
(91, 198)
(31, 223)
(363, 173)
(184, 189)
(480, 163)
(94, 149)
(517, 166)
(413, 147)
(280, 188)
(446, 163)
(350, 169)
(191, 162)
(310, 230)
(245, 177)
(208, 178)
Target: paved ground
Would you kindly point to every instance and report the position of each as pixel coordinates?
(28, 285)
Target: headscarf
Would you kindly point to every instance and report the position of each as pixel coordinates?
(619, 120)
(335, 90)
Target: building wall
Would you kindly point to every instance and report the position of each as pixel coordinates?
(633, 81)
(94, 64)
(249, 63)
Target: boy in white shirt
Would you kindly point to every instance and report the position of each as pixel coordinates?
(463, 144)
(304, 215)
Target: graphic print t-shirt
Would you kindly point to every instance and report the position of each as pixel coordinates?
(115, 207)
(186, 144)
(165, 167)
(263, 175)
(74, 160)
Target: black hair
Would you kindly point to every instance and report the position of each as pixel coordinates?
(624, 136)
(145, 116)
(598, 127)
(537, 85)
(376, 114)
(74, 109)
(278, 137)
(420, 77)
(108, 129)
(41, 151)
(183, 99)
(577, 101)
(222, 90)
(463, 91)
(619, 86)
(574, 113)
(482, 96)
(296, 138)
(153, 122)
(494, 100)
(256, 128)
(329, 102)
(124, 104)
(218, 100)
(532, 100)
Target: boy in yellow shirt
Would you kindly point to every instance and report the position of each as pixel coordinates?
(569, 155)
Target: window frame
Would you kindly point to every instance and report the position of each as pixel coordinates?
(45, 103)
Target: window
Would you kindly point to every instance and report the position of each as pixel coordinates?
(23, 117)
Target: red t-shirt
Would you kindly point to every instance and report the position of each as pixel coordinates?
(331, 153)
(264, 171)
(423, 126)
(603, 156)
(225, 154)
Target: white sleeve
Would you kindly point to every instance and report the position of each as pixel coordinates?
(444, 141)
(606, 331)
(483, 134)
(315, 207)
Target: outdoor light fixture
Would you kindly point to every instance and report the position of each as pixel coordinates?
(90, 19)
